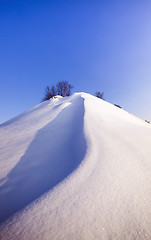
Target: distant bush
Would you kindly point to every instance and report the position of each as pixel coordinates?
(147, 121)
(100, 95)
(63, 88)
(116, 105)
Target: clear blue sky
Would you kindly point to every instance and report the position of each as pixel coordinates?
(95, 45)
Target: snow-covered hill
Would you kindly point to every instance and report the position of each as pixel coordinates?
(75, 168)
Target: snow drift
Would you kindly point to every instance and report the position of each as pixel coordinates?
(75, 168)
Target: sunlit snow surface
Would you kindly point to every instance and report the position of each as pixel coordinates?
(75, 168)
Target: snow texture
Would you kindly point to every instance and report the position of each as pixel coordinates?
(75, 168)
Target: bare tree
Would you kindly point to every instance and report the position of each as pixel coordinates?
(100, 95)
(64, 88)
(53, 91)
(47, 94)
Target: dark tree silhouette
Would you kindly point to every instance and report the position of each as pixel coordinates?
(53, 91)
(47, 94)
(99, 95)
(63, 88)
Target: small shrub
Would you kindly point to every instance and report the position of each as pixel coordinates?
(147, 121)
(116, 105)
(100, 95)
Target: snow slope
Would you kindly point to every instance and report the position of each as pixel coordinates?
(75, 168)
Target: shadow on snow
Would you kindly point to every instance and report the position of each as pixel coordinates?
(55, 152)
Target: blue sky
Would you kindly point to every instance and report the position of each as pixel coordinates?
(95, 45)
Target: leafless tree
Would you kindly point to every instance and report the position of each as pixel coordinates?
(63, 88)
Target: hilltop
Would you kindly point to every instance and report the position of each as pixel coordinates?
(75, 168)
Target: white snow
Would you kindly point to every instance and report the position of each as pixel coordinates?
(75, 168)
